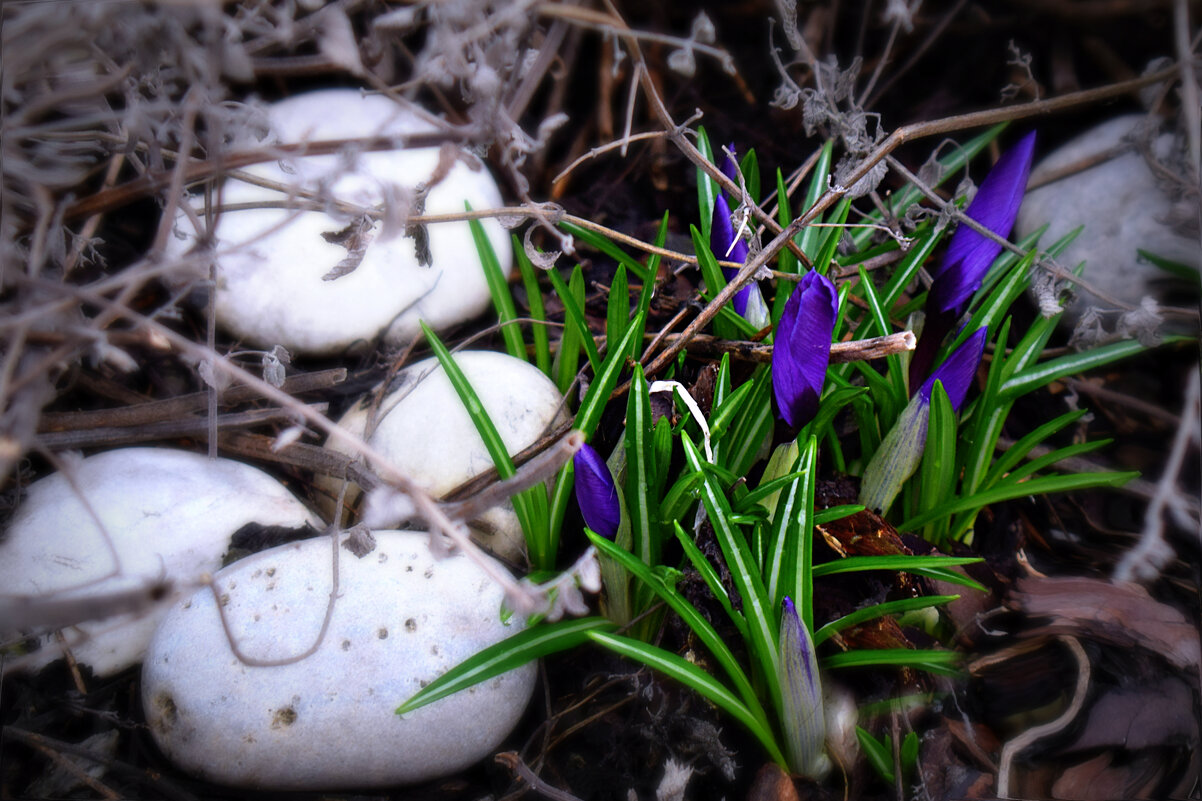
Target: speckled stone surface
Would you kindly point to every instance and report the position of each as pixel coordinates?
(423, 428)
(273, 263)
(1122, 208)
(168, 515)
(327, 721)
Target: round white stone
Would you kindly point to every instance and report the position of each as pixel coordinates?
(1122, 208)
(167, 515)
(425, 431)
(401, 619)
(271, 262)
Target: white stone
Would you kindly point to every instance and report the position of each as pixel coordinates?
(424, 430)
(271, 261)
(168, 515)
(1122, 208)
(401, 619)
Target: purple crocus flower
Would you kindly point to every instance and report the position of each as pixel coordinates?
(748, 302)
(595, 493)
(803, 717)
(729, 168)
(970, 254)
(802, 348)
(901, 451)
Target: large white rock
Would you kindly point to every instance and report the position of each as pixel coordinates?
(271, 262)
(167, 515)
(401, 619)
(1122, 208)
(424, 429)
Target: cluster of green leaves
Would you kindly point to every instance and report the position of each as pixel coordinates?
(765, 532)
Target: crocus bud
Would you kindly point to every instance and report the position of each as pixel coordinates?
(970, 254)
(801, 349)
(730, 168)
(727, 246)
(802, 714)
(901, 451)
(595, 493)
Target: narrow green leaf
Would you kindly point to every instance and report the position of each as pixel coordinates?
(1048, 459)
(880, 610)
(694, 678)
(753, 425)
(836, 513)
(897, 376)
(692, 618)
(498, 287)
(706, 190)
(1036, 486)
(1018, 451)
(601, 243)
(573, 312)
(904, 273)
(534, 297)
(708, 574)
(987, 415)
(1046, 372)
(640, 462)
(726, 409)
(568, 358)
(879, 756)
(617, 309)
(938, 470)
(510, 653)
(530, 505)
(830, 242)
(648, 290)
(940, 662)
(810, 237)
(761, 617)
(749, 165)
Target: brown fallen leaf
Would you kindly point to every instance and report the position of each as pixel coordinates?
(1120, 614)
(1136, 717)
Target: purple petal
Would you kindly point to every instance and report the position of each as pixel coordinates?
(957, 371)
(995, 206)
(802, 348)
(801, 692)
(729, 168)
(596, 494)
(722, 235)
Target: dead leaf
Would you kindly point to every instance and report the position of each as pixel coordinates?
(1120, 614)
(1159, 713)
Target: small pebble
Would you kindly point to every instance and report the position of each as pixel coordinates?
(168, 515)
(1123, 207)
(327, 720)
(425, 431)
(277, 267)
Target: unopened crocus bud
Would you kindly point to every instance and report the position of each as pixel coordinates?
(803, 719)
(595, 493)
(970, 253)
(728, 246)
(801, 349)
(901, 451)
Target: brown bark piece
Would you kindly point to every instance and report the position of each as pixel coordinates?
(1123, 615)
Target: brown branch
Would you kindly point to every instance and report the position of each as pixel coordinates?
(174, 408)
(855, 350)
